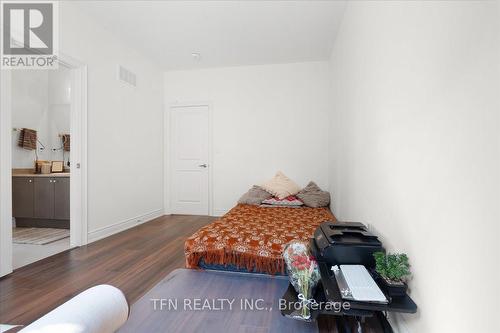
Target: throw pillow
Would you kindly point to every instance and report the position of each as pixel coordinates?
(254, 196)
(281, 186)
(313, 196)
(286, 202)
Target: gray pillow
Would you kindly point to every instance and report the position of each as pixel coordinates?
(254, 196)
(313, 196)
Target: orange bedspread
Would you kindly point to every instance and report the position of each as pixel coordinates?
(253, 237)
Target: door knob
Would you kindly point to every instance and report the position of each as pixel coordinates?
(203, 165)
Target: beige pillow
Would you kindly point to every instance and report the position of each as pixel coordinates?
(281, 186)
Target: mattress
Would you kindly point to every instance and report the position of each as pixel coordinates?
(252, 238)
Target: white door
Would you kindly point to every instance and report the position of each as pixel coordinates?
(189, 160)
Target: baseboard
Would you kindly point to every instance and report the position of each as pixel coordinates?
(220, 212)
(123, 225)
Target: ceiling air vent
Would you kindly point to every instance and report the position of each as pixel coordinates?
(126, 76)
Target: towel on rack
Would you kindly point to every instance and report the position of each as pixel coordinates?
(66, 142)
(27, 139)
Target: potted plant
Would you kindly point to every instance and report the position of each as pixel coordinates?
(392, 268)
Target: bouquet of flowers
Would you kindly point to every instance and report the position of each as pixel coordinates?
(304, 275)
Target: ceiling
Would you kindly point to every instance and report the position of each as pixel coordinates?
(224, 33)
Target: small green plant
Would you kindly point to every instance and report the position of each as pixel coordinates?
(392, 266)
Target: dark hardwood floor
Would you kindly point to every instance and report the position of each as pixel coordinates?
(133, 260)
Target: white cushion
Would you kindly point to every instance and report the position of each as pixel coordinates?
(100, 309)
(281, 186)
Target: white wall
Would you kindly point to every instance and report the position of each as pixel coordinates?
(416, 151)
(125, 134)
(265, 118)
(59, 98)
(29, 110)
(36, 104)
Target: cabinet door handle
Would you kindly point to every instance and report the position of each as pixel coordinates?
(30, 181)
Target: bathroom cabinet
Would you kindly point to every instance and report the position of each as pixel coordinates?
(23, 196)
(41, 201)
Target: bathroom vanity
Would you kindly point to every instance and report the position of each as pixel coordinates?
(41, 200)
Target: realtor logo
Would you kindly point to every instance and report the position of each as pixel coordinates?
(29, 35)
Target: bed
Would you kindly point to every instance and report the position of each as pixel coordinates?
(251, 238)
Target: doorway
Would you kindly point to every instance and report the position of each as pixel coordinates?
(43, 203)
(41, 145)
(190, 159)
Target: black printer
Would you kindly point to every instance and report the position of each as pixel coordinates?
(345, 243)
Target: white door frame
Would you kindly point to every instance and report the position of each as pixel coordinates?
(168, 160)
(78, 156)
(78, 153)
(5, 174)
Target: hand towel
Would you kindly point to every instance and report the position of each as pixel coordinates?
(66, 142)
(27, 139)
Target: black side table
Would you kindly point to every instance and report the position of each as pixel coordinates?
(328, 291)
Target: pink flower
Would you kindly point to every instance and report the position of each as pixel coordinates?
(301, 262)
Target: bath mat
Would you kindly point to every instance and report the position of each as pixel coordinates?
(38, 236)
